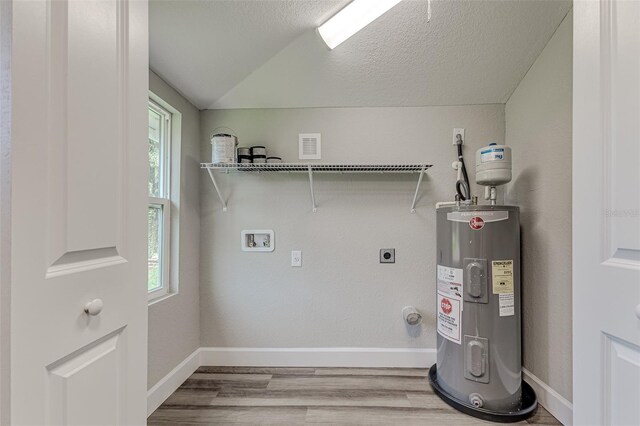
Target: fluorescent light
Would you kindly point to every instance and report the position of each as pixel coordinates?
(354, 17)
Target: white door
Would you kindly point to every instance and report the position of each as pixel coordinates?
(79, 201)
(606, 213)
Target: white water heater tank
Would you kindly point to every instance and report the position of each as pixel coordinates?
(493, 165)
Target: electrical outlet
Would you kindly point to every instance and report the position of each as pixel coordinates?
(296, 258)
(457, 132)
(387, 255)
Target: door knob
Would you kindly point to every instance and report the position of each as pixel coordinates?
(94, 307)
(638, 311)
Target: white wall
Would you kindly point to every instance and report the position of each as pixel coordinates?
(538, 127)
(342, 296)
(174, 323)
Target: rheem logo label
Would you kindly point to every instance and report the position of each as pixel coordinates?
(476, 223)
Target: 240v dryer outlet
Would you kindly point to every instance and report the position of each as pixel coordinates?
(388, 255)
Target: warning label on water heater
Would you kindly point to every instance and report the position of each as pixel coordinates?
(502, 283)
(506, 304)
(502, 276)
(449, 318)
(450, 283)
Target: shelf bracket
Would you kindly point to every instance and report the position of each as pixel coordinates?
(313, 198)
(415, 196)
(215, 185)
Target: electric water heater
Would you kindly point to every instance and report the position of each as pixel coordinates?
(478, 291)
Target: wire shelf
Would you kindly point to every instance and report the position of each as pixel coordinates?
(318, 168)
(311, 169)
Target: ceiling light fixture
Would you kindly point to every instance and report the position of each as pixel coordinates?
(354, 17)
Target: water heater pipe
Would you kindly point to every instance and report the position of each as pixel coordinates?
(463, 188)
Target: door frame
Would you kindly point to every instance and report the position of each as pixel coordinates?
(5, 208)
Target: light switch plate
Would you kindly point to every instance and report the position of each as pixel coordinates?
(296, 258)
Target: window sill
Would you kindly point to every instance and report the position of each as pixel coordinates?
(161, 298)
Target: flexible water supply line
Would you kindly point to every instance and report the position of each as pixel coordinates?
(462, 185)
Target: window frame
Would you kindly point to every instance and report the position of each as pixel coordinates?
(163, 200)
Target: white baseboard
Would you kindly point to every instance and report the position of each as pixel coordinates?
(555, 403)
(318, 357)
(172, 381)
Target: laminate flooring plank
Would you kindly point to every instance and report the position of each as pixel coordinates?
(427, 400)
(310, 398)
(184, 396)
(216, 381)
(348, 382)
(413, 372)
(232, 377)
(257, 370)
(229, 415)
(389, 416)
(152, 421)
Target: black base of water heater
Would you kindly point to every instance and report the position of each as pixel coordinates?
(528, 407)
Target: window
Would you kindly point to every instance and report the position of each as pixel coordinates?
(159, 221)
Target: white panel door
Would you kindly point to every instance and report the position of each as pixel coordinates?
(606, 213)
(79, 209)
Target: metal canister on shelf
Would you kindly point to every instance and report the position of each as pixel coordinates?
(259, 151)
(223, 148)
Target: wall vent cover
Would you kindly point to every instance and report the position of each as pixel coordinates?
(309, 146)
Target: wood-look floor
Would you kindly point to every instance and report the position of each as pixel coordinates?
(257, 395)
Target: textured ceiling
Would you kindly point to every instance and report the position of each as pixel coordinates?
(267, 54)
